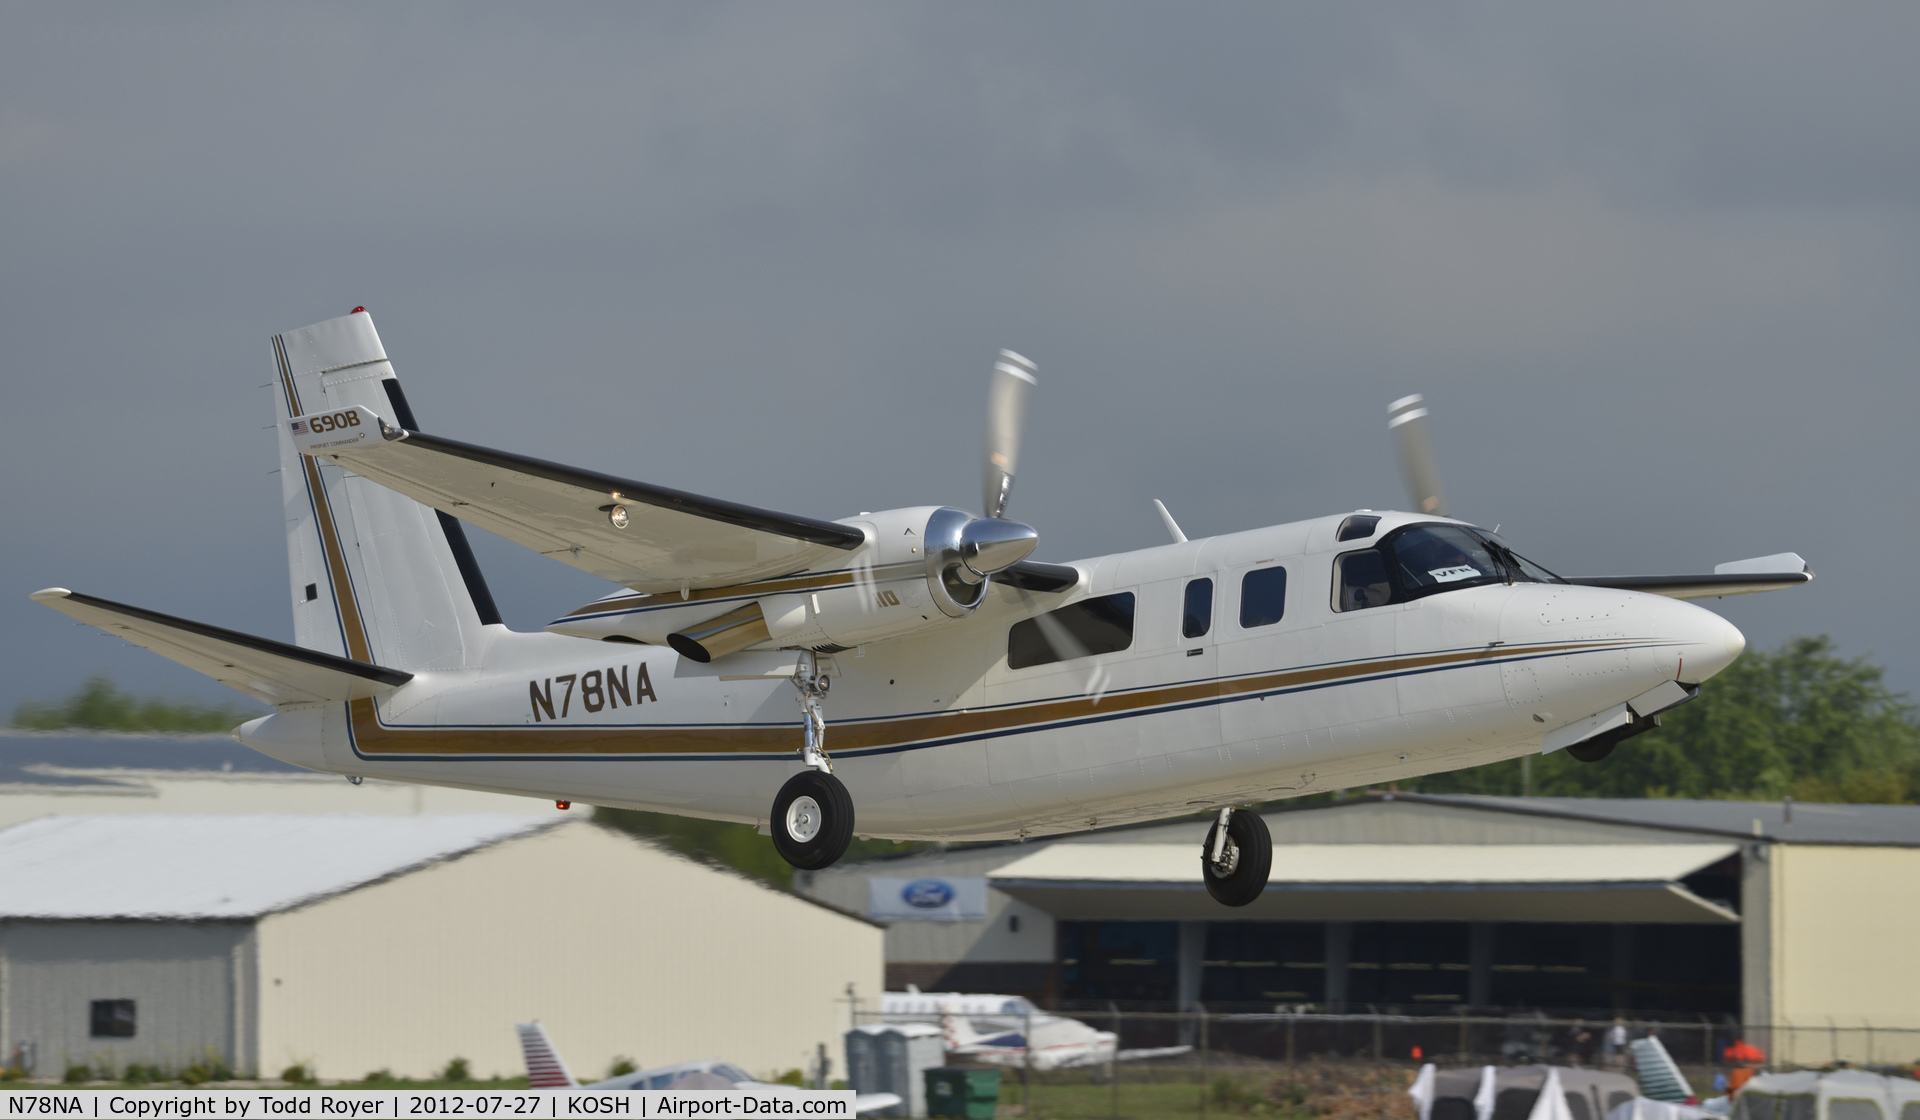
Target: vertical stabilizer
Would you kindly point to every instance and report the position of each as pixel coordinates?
(377, 576)
(1660, 1076)
(545, 1070)
(958, 1031)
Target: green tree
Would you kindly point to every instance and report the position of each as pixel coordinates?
(1799, 720)
(98, 705)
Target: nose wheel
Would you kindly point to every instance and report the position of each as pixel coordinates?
(1236, 858)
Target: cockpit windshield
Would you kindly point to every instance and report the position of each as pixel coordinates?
(1428, 557)
(1421, 560)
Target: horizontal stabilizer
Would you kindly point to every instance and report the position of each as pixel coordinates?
(1738, 577)
(270, 671)
(646, 537)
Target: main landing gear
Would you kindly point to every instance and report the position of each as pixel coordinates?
(812, 819)
(1235, 860)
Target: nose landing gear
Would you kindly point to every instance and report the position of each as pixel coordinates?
(1236, 858)
(812, 819)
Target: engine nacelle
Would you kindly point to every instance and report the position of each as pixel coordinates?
(925, 566)
(921, 567)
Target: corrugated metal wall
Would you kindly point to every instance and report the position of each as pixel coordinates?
(187, 981)
(1844, 931)
(617, 947)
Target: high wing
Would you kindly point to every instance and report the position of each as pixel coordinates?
(271, 671)
(1740, 577)
(672, 541)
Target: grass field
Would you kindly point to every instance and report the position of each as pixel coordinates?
(1335, 1092)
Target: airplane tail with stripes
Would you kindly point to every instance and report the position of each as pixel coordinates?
(959, 1033)
(545, 1069)
(377, 577)
(1660, 1076)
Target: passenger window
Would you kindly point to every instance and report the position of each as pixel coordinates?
(1360, 581)
(1197, 618)
(1263, 597)
(1089, 627)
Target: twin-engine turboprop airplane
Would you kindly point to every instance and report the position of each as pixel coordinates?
(975, 693)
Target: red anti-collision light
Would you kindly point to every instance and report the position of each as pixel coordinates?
(358, 311)
(563, 804)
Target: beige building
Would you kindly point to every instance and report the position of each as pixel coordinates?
(1791, 925)
(358, 943)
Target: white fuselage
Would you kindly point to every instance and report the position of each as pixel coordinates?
(937, 738)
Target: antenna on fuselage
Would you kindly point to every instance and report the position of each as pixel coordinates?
(1173, 527)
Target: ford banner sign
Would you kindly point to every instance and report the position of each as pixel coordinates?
(927, 900)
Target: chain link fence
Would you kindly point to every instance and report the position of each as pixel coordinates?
(1360, 1065)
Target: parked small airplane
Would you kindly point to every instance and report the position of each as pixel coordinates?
(993, 1028)
(977, 694)
(916, 1006)
(1055, 1042)
(547, 1070)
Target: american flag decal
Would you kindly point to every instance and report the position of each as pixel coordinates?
(299, 427)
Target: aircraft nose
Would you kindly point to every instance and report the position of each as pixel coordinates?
(1709, 643)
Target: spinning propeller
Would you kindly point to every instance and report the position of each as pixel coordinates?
(990, 544)
(1407, 420)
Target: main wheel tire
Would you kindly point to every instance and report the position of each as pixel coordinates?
(812, 820)
(1247, 861)
(1593, 750)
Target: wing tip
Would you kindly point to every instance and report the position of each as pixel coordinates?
(49, 594)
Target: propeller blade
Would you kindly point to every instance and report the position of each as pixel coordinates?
(1407, 420)
(1007, 395)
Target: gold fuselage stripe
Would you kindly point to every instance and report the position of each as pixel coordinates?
(869, 735)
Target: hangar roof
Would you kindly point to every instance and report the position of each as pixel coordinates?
(157, 866)
(1812, 823)
(1487, 882)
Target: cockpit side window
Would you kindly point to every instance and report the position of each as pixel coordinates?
(1358, 527)
(1360, 581)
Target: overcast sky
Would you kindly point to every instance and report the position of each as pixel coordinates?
(1655, 266)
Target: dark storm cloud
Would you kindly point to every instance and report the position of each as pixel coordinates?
(1653, 264)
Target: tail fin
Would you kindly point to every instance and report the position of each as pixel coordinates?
(545, 1070)
(377, 577)
(1660, 1076)
(959, 1031)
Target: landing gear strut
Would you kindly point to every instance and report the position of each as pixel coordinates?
(1235, 860)
(812, 819)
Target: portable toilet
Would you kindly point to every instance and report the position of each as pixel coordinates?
(892, 1058)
